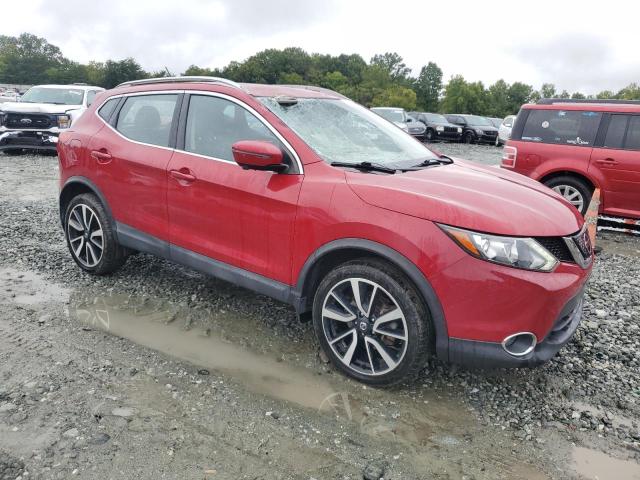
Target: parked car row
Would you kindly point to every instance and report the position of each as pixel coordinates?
(36, 120)
(431, 127)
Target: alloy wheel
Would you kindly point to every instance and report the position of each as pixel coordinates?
(85, 235)
(571, 194)
(364, 326)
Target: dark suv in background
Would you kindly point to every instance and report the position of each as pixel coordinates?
(475, 129)
(438, 127)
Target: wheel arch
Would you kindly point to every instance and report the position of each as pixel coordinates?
(75, 186)
(569, 173)
(339, 251)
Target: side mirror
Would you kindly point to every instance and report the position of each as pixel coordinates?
(258, 155)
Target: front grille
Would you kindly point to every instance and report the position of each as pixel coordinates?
(27, 120)
(451, 129)
(558, 248)
(490, 133)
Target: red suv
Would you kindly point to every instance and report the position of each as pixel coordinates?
(296, 192)
(574, 146)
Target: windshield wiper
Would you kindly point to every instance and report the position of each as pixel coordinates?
(429, 162)
(367, 166)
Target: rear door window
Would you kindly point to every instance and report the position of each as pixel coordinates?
(147, 118)
(563, 127)
(107, 109)
(633, 134)
(615, 131)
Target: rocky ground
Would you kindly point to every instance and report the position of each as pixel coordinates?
(160, 372)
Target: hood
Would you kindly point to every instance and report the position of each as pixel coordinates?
(486, 128)
(472, 196)
(20, 107)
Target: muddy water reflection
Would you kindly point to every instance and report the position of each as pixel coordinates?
(595, 465)
(169, 329)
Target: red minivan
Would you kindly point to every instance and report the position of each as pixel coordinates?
(393, 251)
(574, 146)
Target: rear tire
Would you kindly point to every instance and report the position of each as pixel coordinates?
(91, 237)
(575, 190)
(468, 138)
(379, 342)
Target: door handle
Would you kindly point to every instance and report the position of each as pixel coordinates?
(183, 175)
(101, 156)
(607, 161)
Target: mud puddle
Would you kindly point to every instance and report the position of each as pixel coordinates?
(28, 288)
(168, 329)
(594, 465)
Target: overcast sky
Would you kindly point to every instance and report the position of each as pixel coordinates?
(578, 45)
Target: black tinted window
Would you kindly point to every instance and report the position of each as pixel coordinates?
(215, 124)
(633, 134)
(107, 109)
(563, 127)
(616, 131)
(147, 118)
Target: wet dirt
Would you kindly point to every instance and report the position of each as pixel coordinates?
(594, 465)
(158, 372)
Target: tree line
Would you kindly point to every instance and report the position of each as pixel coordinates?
(383, 81)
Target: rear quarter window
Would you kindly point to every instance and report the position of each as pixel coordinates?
(564, 127)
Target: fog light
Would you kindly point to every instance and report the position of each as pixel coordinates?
(64, 121)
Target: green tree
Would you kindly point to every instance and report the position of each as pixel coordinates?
(548, 90)
(498, 101)
(395, 96)
(461, 96)
(578, 96)
(606, 94)
(393, 64)
(630, 92)
(26, 59)
(519, 94)
(564, 94)
(428, 87)
(116, 72)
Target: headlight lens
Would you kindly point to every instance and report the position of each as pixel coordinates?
(479, 131)
(64, 121)
(459, 129)
(440, 128)
(518, 252)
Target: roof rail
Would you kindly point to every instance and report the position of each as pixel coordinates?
(186, 79)
(552, 101)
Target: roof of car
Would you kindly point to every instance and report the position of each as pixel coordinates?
(79, 87)
(298, 91)
(579, 106)
(386, 108)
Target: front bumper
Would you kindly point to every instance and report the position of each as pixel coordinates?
(451, 136)
(36, 140)
(487, 138)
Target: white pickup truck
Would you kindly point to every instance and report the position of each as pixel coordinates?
(42, 113)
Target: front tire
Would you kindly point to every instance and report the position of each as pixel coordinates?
(575, 190)
(468, 138)
(430, 135)
(90, 236)
(371, 323)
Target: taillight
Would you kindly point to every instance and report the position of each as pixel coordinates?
(509, 155)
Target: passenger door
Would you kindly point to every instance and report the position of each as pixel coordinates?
(129, 159)
(243, 218)
(618, 162)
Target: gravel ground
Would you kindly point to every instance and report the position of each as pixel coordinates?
(159, 372)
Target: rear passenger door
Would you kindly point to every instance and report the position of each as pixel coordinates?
(618, 162)
(130, 158)
(243, 218)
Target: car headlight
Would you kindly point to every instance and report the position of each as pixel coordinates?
(459, 129)
(64, 121)
(518, 252)
(479, 131)
(440, 128)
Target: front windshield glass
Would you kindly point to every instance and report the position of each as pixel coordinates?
(391, 115)
(343, 131)
(475, 120)
(434, 117)
(58, 96)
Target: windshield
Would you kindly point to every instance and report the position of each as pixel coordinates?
(343, 131)
(58, 96)
(391, 115)
(475, 120)
(435, 118)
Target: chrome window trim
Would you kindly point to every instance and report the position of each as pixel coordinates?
(160, 92)
(250, 109)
